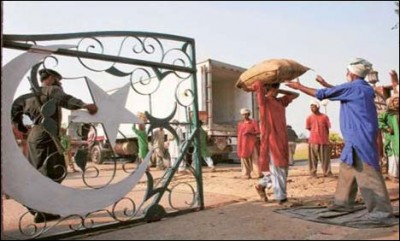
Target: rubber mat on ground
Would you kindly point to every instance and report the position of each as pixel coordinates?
(356, 218)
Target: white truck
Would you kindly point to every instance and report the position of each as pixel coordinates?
(219, 105)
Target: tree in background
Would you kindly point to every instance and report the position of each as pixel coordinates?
(337, 144)
(335, 138)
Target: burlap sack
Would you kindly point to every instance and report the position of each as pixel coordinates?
(271, 71)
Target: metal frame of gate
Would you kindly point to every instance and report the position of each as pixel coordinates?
(164, 56)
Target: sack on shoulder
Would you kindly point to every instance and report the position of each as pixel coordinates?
(271, 71)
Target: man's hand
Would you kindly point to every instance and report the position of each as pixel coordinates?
(92, 108)
(395, 79)
(298, 86)
(393, 73)
(245, 88)
(293, 84)
(322, 81)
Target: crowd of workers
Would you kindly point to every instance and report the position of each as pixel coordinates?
(267, 145)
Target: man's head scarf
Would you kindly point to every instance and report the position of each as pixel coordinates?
(314, 102)
(244, 111)
(360, 67)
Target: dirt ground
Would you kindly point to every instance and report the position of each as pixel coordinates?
(241, 215)
(233, 210)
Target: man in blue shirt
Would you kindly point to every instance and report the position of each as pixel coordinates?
(359, 126)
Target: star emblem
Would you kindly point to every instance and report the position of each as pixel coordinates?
(111, 110)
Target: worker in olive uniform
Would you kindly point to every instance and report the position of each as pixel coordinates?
(45, 151)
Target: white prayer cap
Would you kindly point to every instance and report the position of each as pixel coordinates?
(314, 102)
(244, 111)
(360, 67)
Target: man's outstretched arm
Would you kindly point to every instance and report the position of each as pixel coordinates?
(298, 86)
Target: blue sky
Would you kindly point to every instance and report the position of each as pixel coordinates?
(321, 35)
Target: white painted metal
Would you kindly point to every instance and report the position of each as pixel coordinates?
(111, 113)
(24, 183)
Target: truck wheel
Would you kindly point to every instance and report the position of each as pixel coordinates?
(96, 156)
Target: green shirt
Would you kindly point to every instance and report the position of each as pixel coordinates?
(203, 143)
(390, 120)
(142, 142)
(65, 143)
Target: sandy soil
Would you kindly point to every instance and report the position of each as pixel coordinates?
(234, 210)
(241, 215)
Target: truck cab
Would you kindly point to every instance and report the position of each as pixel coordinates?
(126, 147)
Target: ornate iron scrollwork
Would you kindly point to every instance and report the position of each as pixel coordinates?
(146, 61)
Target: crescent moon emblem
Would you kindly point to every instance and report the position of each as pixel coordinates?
(24, 183)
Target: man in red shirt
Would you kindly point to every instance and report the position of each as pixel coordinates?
(274, 149)
(247, 132)
(318, 124)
